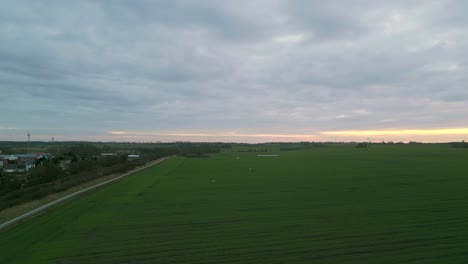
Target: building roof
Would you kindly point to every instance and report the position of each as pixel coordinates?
(34, 155)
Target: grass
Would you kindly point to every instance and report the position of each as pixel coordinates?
(20, 209)
(384, 204)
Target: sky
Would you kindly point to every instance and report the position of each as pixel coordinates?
(238, 71)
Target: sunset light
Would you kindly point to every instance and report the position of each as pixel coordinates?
(417, 132)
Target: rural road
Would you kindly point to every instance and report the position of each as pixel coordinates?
(44, 207)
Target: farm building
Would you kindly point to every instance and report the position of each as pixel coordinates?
(19, 162)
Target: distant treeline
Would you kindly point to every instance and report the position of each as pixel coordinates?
(199, 149)
(77, 163)
(302, 145)
(462, 144)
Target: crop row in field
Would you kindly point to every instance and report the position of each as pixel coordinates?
(339, 204)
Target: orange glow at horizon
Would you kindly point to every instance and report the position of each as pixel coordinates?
(408, 132)
(118, 132)
(230, 134)
(415, 132)
(428, 136)
(239, 135)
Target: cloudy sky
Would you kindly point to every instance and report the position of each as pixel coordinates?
(252, 71)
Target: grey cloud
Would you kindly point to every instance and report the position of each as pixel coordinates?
(206, 16)
(204, 66)
(326, 19)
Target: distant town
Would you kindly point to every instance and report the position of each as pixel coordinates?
(21, 164)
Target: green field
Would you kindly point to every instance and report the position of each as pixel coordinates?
(337, 204)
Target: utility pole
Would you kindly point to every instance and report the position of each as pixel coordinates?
(29, 137)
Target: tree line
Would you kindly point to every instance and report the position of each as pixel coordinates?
(79, 163)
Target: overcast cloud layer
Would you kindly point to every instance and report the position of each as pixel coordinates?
(82, 69)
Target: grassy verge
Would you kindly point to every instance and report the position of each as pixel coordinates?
(20, 209)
